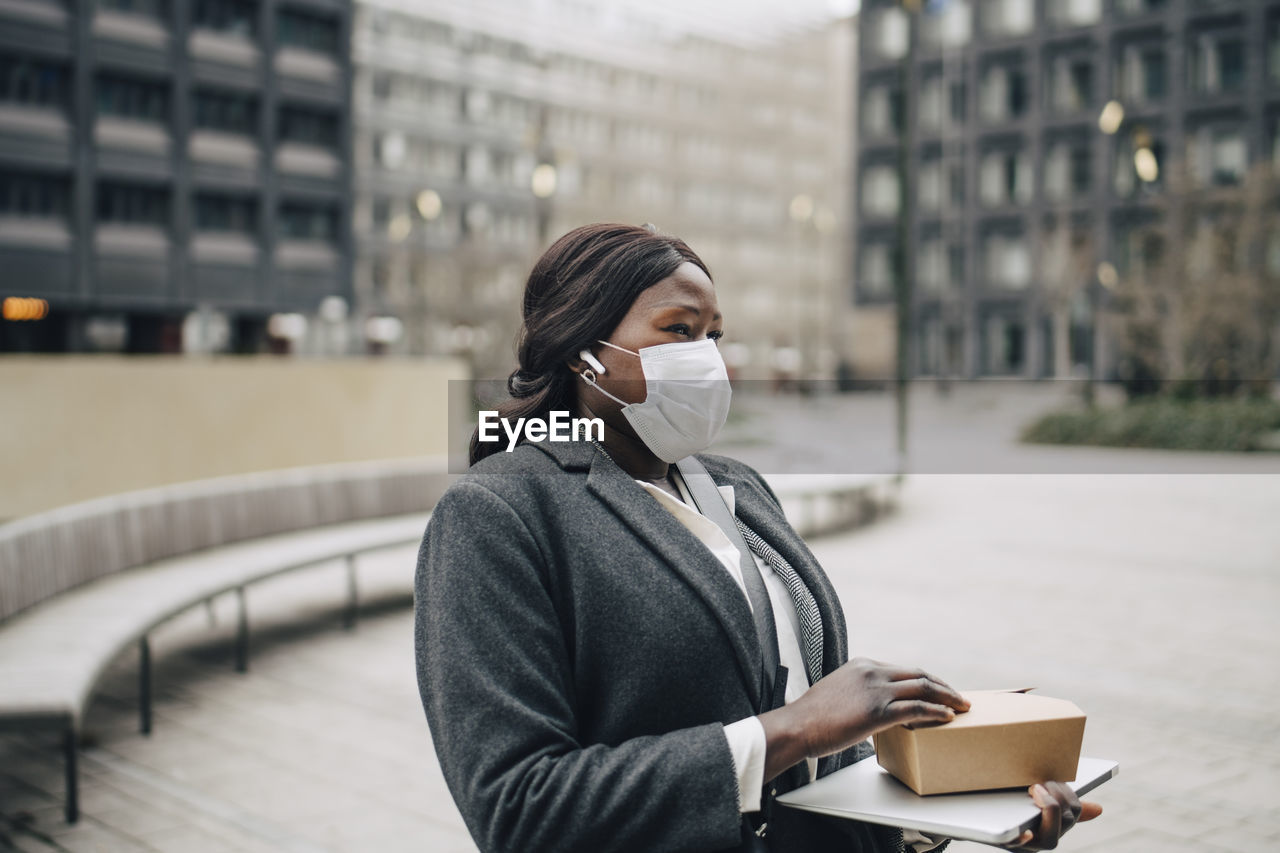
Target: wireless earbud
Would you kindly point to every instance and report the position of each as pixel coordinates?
(590, 359)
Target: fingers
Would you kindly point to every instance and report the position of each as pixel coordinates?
(1067, 801)
(907, 711)
(1050, 817)
(928, 688)
(1088, 811)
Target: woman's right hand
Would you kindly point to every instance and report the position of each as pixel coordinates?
(851, 704)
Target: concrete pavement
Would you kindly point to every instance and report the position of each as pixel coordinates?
(1148, 599)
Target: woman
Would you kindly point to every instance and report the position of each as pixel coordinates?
(605, 663)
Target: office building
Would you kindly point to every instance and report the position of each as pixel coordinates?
(1055, 148)
(172, 173)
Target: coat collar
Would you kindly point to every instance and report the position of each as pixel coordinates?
(679, 549)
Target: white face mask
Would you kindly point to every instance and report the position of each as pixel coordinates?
(687, 397)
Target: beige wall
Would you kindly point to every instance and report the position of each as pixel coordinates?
(77, 427)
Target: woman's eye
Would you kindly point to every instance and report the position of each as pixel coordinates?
(678, 328)
(716, 335)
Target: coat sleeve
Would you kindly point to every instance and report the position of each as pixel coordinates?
(496, 683)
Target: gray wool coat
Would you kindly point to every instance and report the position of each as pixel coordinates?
(579, 652)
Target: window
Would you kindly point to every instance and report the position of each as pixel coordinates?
(308, 127)
(306, 30)
(1007, 259)
(1005, 18)
(948, 27)
(1273, 48)
(880, 191)
(131, 98)
(1140, 163)
(226, 111)
(1130, 8)
(34, 196)
(232, 17)
(888, 32)
(1217, 156)
(1216, 64)
(1005, 178)
(300, 221)
(129, 204)
(929, 185)
(32, 82)
(1141, 75)
(932, 267)
(1003, 93)
(158, 9)
(1002, 344)
(231, 214)
(1067, 171)
(1075, 13)
(882, 111)
(931, 104)
(1070, 86)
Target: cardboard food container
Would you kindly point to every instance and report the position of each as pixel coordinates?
(1006, 739)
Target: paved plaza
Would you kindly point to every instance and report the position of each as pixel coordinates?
(1148, 599)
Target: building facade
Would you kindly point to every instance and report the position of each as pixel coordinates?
(1053, 149)
(485, 130)
(163, 160)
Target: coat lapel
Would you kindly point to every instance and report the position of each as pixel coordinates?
(685, 555)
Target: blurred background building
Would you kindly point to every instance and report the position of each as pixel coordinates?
(172, 173)
(1069, 160)
(318, 177)
(484, 130)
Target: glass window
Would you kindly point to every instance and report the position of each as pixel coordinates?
(308, 126)
(129, 204)
(301, 221)
(880, 191)
(1070, 84)
(1130, 8)
(34, 196)
(1217, 64)
(227, 111)
(929, 185)
(158, 9)
(232, 214)
(1075, 13)
(32, 82)
(882, 111)
(1005, 178)
(1217, 156)
(1008, 17)
(1003, 344)
(947, 24)
(930, 112)
(1141, 73)
(1003, 93)
(133, 98)
(307, 30)
(233, 17)
(1008, 260)
(889, 31)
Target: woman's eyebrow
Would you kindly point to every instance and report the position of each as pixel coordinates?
(683, 306)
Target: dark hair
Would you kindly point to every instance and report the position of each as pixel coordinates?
(578, 292)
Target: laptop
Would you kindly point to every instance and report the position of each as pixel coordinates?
(866, 791)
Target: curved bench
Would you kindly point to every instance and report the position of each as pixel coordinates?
(81, 584)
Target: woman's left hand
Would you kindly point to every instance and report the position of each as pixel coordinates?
(1060, 809)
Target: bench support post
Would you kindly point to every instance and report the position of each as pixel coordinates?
(70, 747)
(242, 633)
(144, 685)
(353, 595)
